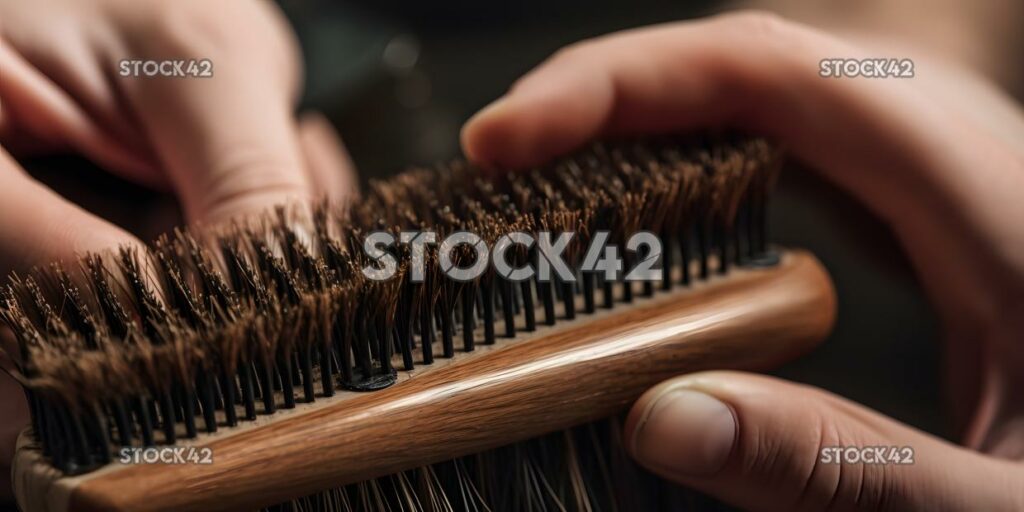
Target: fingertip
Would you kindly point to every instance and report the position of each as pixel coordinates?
(548, 113)
(37, 226)
(681, 429)
(484, 134)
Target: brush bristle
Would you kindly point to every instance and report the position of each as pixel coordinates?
(582, 469)
(213, 328)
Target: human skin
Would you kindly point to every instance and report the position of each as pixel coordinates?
(226, 146)
(938, 157)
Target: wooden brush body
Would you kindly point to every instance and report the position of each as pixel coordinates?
(515, 389)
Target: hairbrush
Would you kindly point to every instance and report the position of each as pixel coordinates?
(269, 364)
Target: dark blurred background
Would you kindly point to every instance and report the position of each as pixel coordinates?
(398, 78)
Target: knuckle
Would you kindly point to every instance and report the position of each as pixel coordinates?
(812, 482)
(877, 489)
(196, 24)
(228, 32)
(789, 461)
(249, 181)
(767, 31)
(820, 481)
(765, 47)
(164, 21)
(759, 23)
(839, 485)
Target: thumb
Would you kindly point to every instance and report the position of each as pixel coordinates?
(765, 444)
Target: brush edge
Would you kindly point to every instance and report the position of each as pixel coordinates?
(803, 317)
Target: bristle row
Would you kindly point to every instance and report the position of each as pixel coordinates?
(584, 469)
(216, 328)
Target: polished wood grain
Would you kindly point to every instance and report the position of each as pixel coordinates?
(583, 370)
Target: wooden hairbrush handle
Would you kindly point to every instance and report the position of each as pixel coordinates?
(753, 318)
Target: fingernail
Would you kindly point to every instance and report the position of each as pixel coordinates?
(686, 432)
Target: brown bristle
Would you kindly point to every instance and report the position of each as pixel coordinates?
(278, 311)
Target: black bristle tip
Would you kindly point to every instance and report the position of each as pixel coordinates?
(245, 320)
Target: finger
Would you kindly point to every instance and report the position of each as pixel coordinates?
(759, 73)
(42, 115)
(694, 74)
(330, 167)
(763, 444)
(38, 227)
(228, 141)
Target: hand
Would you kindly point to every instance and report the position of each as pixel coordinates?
(227, 145)
(938, 157)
